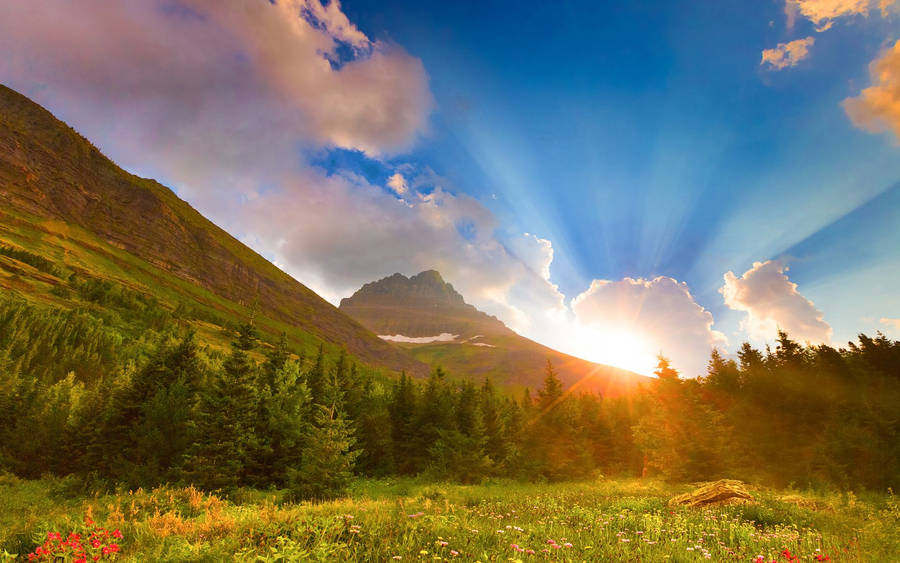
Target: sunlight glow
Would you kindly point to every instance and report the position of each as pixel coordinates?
(616, 346)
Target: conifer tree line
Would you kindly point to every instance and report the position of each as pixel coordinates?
(82, 396)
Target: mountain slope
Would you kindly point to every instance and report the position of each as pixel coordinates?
(63, 199)
(433, 321)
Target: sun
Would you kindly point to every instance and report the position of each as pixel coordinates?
(617, 346)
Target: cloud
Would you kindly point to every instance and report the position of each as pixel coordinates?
(787, 54)
(877, 108)
(535, 252)
(822, 13)
(360, 232)
(398, 183)
(894, 323)
(640, 318)
(214, 94)
(772, 302)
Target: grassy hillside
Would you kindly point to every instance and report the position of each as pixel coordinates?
(62, 200)
(407, 520)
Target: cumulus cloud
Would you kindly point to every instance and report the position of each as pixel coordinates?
(787, 54)
(214, 94)
(398, 183)
(535, 252)
(823, 13)
(877, 108)
(772, 302)
(640, 318)
(360, 232)
(893, 323)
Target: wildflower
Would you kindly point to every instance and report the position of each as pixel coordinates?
(567, 544)
(117, 534)
(454, 553)
(397, 557)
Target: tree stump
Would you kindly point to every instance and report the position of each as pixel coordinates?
(724, 491)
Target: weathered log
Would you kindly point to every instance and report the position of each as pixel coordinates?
(724, 491)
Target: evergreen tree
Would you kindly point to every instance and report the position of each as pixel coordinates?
(495, 442)
(328, 456)
(226, 420)
(316, 379)
(552, 391)
(402, 410)
(287, 411)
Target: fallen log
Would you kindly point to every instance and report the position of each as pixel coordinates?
(724, 491)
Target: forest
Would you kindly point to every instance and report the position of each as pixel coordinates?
(127, 395)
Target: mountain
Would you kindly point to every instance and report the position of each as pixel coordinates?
(427, 306)
(62, 200)
(431, 319)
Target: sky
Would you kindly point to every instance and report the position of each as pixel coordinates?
(615, 180)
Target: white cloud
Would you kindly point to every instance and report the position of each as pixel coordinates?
(633, 320)
(877, 108)
(772, 302)
(893, 323)
(360, 232)
(823, 13)
(214, 95)
(535, 252)
(398, 183)
(787, 54)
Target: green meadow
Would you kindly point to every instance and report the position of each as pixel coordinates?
(414, 520)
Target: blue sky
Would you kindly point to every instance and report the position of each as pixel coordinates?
(646, 139)
(612, 179)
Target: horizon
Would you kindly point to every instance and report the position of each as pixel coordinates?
(626, 181)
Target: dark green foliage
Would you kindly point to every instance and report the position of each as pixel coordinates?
(328, 457)
(316, 378)
(226, 444)
(37, 262)
(402, 410)
(102, 395)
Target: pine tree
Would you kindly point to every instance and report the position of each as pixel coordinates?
(495, 443)
(402, 411)
(287, 411)
(316, 378)
(276, 359)
(328, 456)
(552, 391)
(226, 418)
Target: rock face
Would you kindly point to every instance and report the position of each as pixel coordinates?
(724, 491)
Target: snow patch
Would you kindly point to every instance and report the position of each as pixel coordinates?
(442, 337)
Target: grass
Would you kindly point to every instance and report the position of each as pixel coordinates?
(411, 520)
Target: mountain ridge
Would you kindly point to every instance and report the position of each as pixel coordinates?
(50, 173)
(423, 309)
